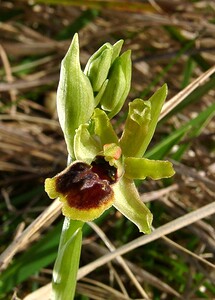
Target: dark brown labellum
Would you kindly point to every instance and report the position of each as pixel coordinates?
(87, 186)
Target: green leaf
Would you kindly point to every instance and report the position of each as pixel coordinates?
(75, 99)
(128, 202)
(67, 262)
(140, 168)
(43, 252)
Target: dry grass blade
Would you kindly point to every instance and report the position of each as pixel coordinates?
(9, 77)
(31, 119)
(25, 84)
(44, 220)
(168, 228)
(105, 291)
(150, 196)
(174, 101)
(194, 255)
(187, 171)
(120, 260)
(172, 226)
(143, 275)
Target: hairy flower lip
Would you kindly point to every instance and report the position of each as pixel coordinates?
(85, 190)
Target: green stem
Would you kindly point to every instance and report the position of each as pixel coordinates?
(67, 262)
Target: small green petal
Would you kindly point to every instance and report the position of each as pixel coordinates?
(140, 168)
(86, 147)
(103, 128)
(127, 201)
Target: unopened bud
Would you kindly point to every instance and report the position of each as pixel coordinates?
(119, 81)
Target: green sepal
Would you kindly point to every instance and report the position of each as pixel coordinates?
(141, 122)
(98, 66)
(140, 168)
(157, 100)
(128, 202)
(103, 128)
(119, 81)
(75, 99)
(136, 127)
(86, 147)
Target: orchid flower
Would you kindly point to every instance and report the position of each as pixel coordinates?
(104, 165)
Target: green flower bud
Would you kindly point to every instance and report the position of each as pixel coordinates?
(116, 49)
(75, 99)
(98, 66)
(118, 86)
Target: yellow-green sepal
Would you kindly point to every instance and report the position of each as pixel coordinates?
(140, 168)
(128, 202)
(141, 123)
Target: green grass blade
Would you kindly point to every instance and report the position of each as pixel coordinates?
(196, 130)
(175, 34)
(190, 129)
(40, 254)
(193, 97)
(165, 70)
(190, 65)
